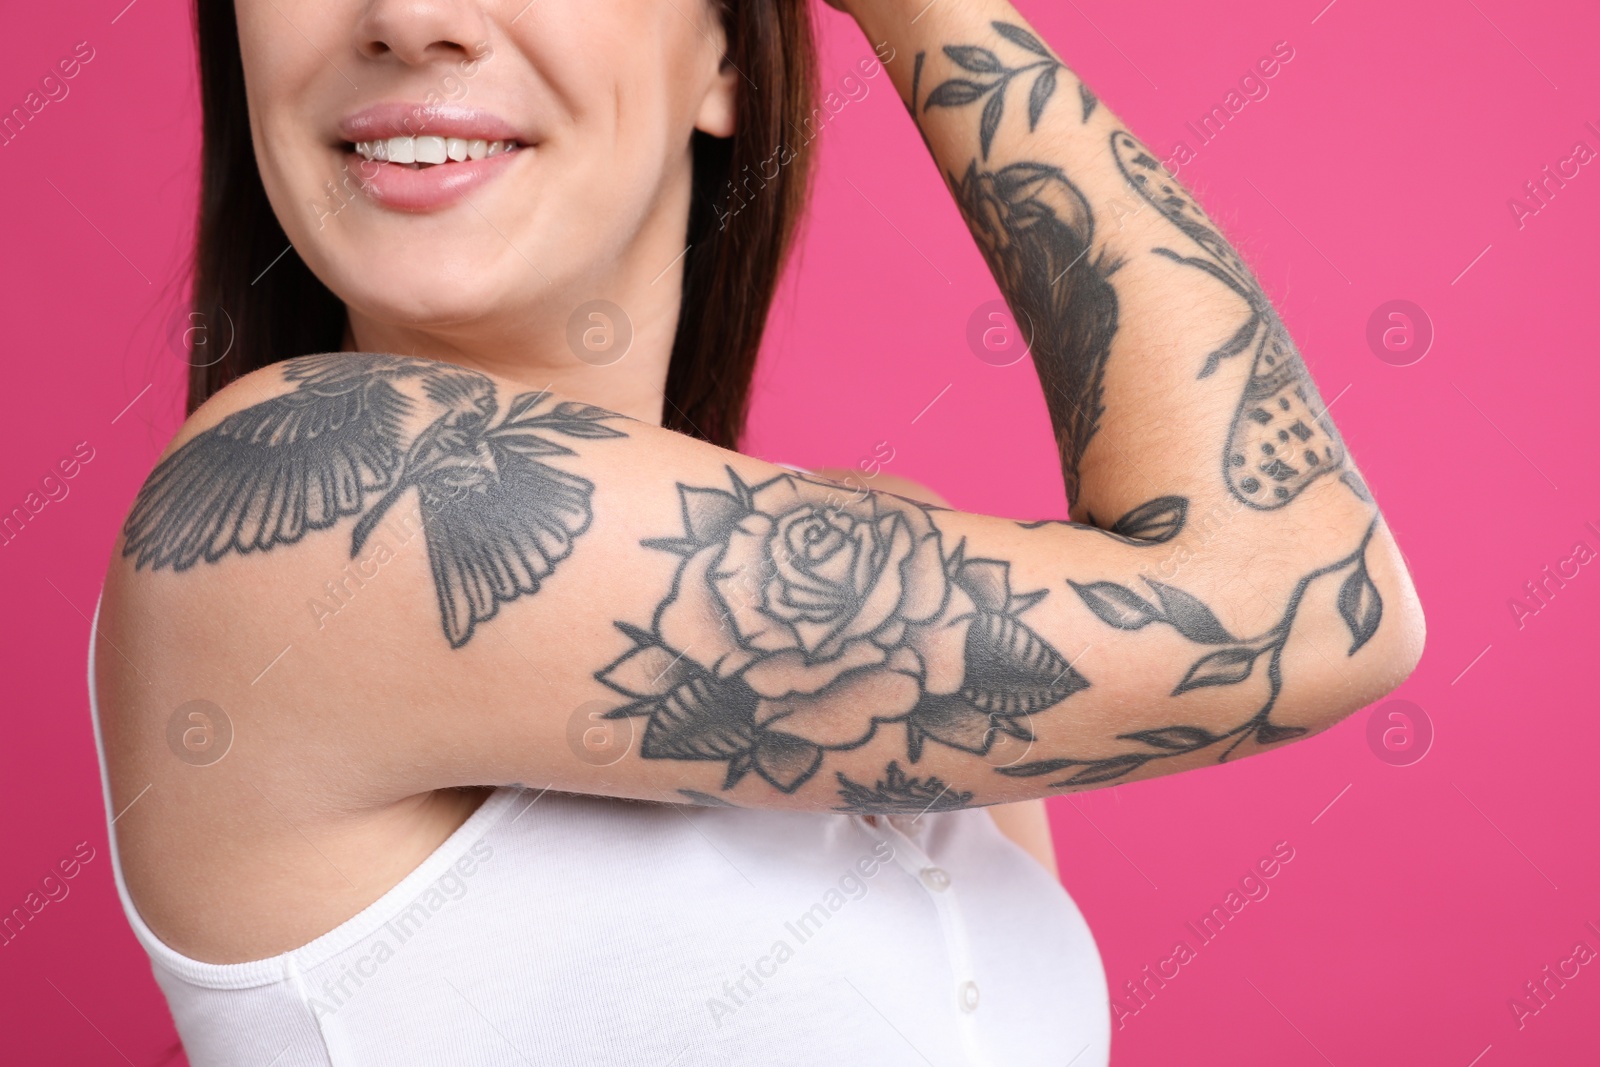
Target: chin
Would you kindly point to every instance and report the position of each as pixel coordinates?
(443, 265)
(427, 303)
(416, 279)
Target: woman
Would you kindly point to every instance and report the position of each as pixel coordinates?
(455, 708)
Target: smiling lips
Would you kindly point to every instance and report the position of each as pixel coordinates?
(417, 158)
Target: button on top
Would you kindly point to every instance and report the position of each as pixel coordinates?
(967, 995)
(935, 878)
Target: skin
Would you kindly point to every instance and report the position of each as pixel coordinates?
(598, 207)
(1184, 619)
(1025, 822)
(595, 210)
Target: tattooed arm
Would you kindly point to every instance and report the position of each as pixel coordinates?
(393, 576)
(1152, 338)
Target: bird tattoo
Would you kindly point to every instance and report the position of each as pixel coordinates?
(496, 517)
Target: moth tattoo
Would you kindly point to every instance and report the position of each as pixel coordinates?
(799, 625)
(1281, 439)
(497, 518)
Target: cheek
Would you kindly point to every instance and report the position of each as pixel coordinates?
(626, 147)
(290, 95)
(283, 46)
(631, 100)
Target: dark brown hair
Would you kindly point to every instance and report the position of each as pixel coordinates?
(737, 238)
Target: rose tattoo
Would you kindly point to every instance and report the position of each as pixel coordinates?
(801, 620)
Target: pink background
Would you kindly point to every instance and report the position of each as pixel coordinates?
(1379, 167)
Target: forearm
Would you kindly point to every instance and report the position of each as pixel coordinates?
(1164, 367)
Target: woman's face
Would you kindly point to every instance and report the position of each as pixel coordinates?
(446, 163)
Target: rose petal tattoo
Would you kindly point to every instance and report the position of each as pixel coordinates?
(798, 624)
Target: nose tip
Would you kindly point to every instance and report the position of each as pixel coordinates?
(417, 31)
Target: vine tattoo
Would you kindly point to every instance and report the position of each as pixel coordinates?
(1232, 661)
(798, 625)
(496, 517)
(1281, 439)
(958, 92)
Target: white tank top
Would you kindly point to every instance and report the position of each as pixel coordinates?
(555, 929)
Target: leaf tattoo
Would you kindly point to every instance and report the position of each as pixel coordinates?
(1155, 522)
(1021, 38)
(1229, 666)
(1175, 738)
(1117, 605)
(1189, 616)
(497, 518)
(1232, 662)
(1360, 606)
(959, 92)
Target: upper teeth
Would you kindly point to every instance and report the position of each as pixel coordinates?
(430, 149)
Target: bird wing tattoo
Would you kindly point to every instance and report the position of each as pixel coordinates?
(496, 517)
(1281, 439)
(268, 474)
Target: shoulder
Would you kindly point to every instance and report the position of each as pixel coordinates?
(321, 541)
(259, 536)
(300, 386)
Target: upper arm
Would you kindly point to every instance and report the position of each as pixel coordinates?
(397, 575)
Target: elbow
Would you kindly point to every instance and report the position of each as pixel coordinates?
(1413, 628)
(1381, 666)
(1401, 635)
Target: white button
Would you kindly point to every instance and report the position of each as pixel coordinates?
(935, 878)
(967, 994)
